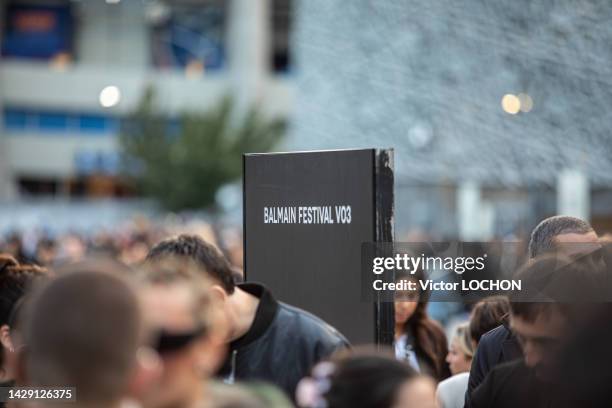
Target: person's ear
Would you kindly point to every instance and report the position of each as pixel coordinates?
(218, 293)
(5, 338)
(146, 374)
(220, 317)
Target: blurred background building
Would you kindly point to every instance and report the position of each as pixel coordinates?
(71, 70)
(498, 111)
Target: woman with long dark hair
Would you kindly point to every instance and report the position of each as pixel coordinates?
(419, 340)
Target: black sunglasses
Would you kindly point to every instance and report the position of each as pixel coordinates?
(169, 342)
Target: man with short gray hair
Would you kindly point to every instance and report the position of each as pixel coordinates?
(559, 229)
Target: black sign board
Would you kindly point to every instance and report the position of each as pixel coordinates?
(306, 216)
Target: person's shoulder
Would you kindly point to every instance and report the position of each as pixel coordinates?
(495, 336)
(457, 380)
(454, 386)
(499, 387)
(505, 371)
(309, 323)
(452, 390)
(303, 317)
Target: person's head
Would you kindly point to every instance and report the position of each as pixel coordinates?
(84, 329)
(410, 305)
(368, 379)
(487, 314)
(539, 328)
(14, 247)
(539, 321)
(15, 281)
(177, 301)
(46, 251)
(460, 351)
(205, 257)
(561, 232)
(210, 263)
(405, 306)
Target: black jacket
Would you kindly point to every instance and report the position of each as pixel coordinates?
(495, 347)
(515, 385)
(281, 346)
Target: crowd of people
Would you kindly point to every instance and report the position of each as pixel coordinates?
(172, 325)
(128, 241)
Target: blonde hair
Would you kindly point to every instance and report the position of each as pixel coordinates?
(180, 271)
(464, 340)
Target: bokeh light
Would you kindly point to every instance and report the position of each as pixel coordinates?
(526, 102)
(511, 104)
(110, 96)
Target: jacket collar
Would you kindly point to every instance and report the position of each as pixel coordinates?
(264, 315)
(511, 348)
(505, 321)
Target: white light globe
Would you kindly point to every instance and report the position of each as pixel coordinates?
(110, 96)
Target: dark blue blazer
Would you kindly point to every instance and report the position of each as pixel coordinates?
(496, 347)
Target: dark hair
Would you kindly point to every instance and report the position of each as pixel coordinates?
(204, 255)
(430, 339)
(546, 281)
(366, 379)
(15, 280)
(83, 329)
(542, 236)
(487, 314)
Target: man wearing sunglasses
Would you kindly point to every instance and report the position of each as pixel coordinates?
(189, 336)
(267, 340)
